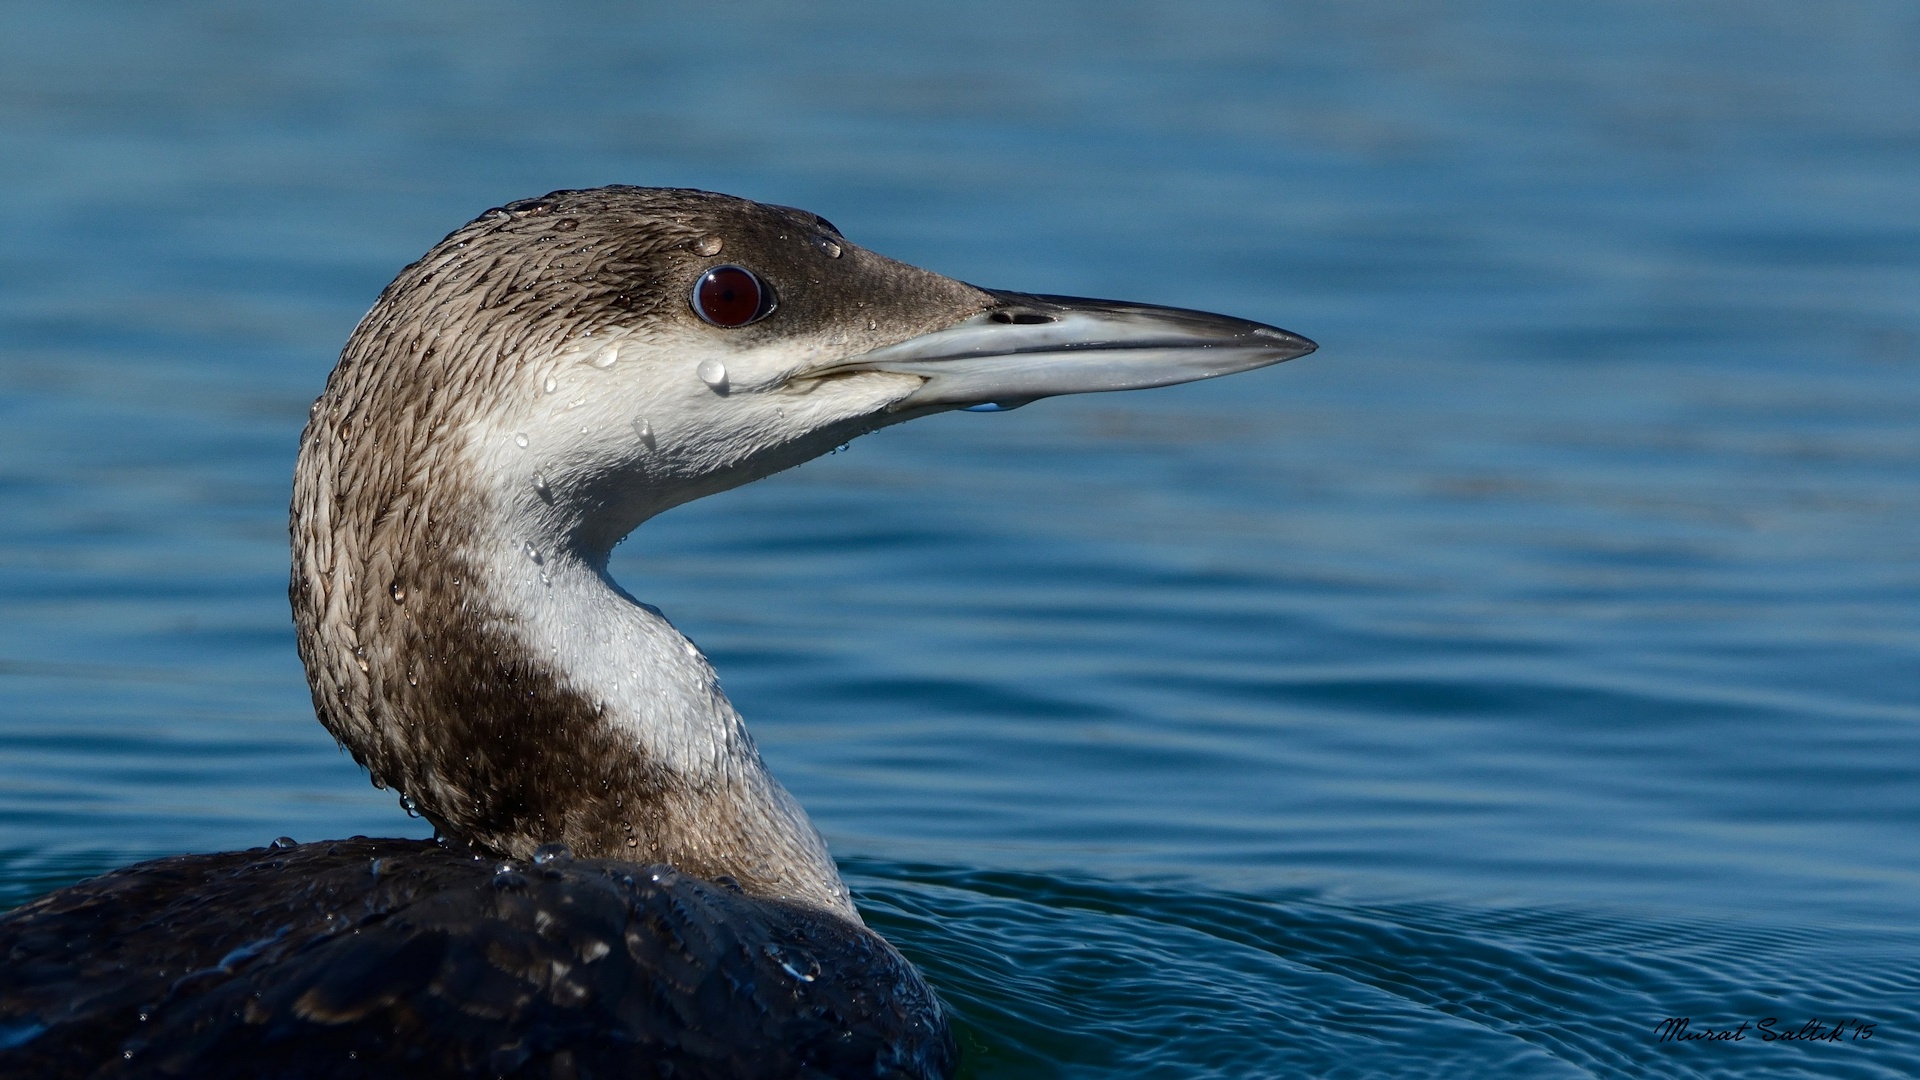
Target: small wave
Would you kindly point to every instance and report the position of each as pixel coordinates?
(1088, 978)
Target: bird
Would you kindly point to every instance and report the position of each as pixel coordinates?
(617, 886)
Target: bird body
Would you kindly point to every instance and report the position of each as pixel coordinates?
(540, 383)
(399, 957)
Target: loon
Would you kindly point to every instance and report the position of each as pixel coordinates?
(618, 885)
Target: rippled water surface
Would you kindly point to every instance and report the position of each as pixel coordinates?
(1535, 662)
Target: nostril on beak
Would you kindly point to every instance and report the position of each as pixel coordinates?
(1020, 318)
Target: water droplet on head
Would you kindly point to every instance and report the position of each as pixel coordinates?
(605, 358)
(520, 439)
(541, 488)
(827, 247)
(406, 801)
(576, 403)
(714, 374)
(398, 592)
(283, 843)
(550, 385)
(533, 552)
(707, 245)
(552, 853)
(644, 430)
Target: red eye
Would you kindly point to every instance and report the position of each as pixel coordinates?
(731, 296)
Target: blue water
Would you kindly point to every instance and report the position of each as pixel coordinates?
(1537, 661)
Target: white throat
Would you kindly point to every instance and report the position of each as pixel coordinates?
(710, 804)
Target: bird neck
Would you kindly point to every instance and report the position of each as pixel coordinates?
(491, 672)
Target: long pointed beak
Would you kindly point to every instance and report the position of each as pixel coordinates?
(1028, 347)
